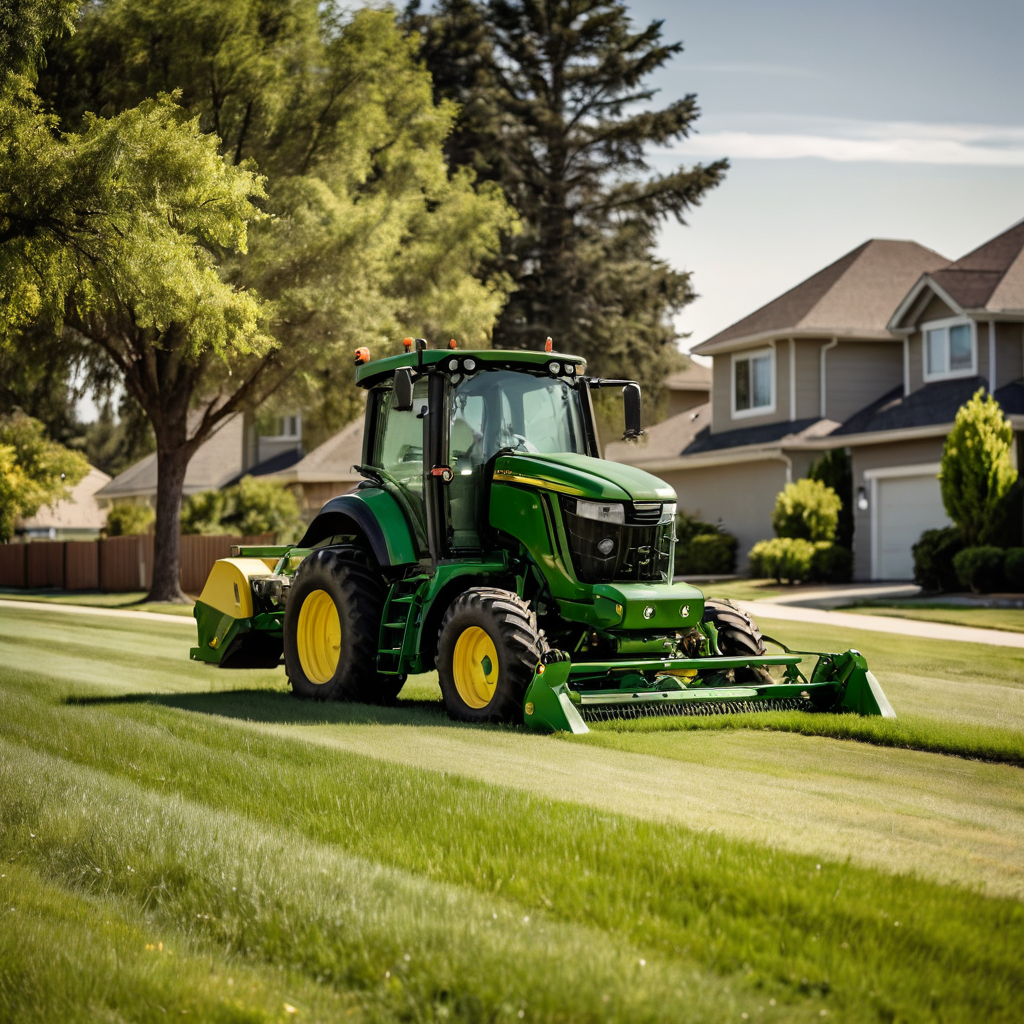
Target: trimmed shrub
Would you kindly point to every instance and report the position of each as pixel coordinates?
(831, 563)
(703, 549)
(125, 519)
(977, 471)
(710, 553)
(786, 559)
(1013, 569)
(806, 510)
(933, 559)
(980, 568)
(794, 560)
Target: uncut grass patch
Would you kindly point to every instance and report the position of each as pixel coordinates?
(799, 930)
(70, 955)
(983, 743)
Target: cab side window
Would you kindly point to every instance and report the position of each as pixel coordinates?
(398, 445)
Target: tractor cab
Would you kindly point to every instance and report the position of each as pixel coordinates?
(437, 421)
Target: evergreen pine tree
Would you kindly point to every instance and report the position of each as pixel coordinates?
(556, 106)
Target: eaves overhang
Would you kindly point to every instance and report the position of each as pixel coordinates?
(708, 348)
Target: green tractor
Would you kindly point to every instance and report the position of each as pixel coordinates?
(489, 540)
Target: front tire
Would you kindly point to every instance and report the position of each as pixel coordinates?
(487, 653)
(331, 628)
(738, 637)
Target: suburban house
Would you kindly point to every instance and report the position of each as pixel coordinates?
(686, 389)
(327, 471)
(873, 354)
(235, 449)
(78, 517)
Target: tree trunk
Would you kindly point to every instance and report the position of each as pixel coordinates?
(171, 463)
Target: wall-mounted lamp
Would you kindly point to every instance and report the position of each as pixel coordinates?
(862, 499)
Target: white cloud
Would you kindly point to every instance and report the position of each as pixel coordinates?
(877, 142)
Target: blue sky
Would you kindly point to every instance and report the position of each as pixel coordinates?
(842, 122)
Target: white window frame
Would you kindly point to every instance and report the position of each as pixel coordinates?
(945, 325)
(759, 410)
(297, 416)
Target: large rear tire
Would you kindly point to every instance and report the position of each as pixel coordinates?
(738, 637)
(487, 653)
(332, 625)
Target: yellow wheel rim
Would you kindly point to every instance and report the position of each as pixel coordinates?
(475, 667)
(318, 637)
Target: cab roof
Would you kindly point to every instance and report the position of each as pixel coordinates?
(378, 370)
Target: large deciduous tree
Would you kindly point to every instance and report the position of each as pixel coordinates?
(240, 234)
(556, 106)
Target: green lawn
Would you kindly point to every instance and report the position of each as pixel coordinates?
(984, 618)
(133, 600)
(178, 840)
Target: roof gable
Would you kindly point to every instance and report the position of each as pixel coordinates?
(853, 296)
(991, 276)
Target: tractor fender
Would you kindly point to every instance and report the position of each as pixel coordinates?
(375, 514)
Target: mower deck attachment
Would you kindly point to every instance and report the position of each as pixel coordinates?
(838, 683)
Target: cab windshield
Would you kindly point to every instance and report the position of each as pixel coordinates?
(500, 409)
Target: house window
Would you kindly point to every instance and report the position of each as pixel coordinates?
(753, 383)
(285, 428)
(950, 349)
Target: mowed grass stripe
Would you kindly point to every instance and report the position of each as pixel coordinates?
(792, 925)
(950, 820)
(397, 946)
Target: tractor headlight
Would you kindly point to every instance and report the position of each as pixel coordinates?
(602, 512)
(606, 546)
(668, 512)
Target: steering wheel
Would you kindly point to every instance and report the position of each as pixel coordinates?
(528, 446)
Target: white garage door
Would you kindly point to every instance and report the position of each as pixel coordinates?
(907, 506)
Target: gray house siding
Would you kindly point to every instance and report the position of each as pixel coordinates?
(808, 378)
(1009, 352)
(858, 372)
(740, 496)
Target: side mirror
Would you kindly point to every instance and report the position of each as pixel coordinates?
(631, 410)
(401, 397)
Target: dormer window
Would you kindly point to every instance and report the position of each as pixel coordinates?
(950, 349)
(753, 383)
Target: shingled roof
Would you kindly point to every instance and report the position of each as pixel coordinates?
(853, 297)
(989, 277)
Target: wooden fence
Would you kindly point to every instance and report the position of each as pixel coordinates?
(115, 563)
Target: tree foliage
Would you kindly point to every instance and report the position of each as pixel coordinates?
(221, 198)
(250, 507)
(34, 470)
(806, 510)
(556, 106)
(126, 519)
(977, 471)
(835, 469)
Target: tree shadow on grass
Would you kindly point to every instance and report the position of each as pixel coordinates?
(278, 707)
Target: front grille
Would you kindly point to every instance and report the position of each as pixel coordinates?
(641, 549)
(644, 513)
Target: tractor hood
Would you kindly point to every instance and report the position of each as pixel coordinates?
(582, 477)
